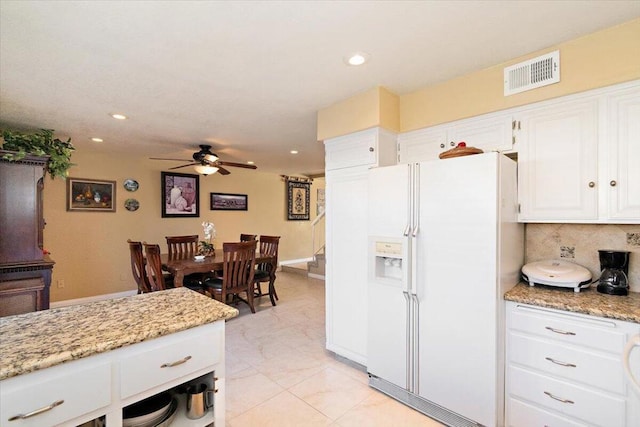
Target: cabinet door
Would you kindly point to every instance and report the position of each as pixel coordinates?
(346, 279)
(557, 163)
(487, 133)
(422, 145)
(622, 177)
(371, 147)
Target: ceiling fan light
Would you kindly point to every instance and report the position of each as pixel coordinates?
(205, 169)
(210, 158)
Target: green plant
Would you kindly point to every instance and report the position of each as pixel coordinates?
(40, 143)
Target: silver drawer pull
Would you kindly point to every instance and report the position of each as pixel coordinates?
(558, 398)
(37, 411)
(172, 364)
(557, 362)
(559, 331)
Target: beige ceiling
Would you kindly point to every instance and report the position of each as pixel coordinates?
(249, 76)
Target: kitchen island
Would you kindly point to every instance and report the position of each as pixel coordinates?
(102, 356)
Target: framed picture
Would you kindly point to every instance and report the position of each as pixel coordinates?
(229, 202)
(91, 195)
(298, 200)
(180, 195)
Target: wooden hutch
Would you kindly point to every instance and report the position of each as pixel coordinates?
(25, 272)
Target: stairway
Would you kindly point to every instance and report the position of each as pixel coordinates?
(314, 268)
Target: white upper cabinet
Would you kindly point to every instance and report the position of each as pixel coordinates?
(371, 147)
(622, 175)
(489, 132)
(558, 162)
(578, 157)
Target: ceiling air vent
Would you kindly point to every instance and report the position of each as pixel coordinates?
(537, 72)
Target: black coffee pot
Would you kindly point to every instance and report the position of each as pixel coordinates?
(614, 267)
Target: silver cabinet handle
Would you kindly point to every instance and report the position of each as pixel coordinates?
(37, 411)
(172, 364)
(371, 149)
(559, 399)
(557, 362)
(613, 183)
(592, 184)
(453, 144)
(442, 145)
(559, 331)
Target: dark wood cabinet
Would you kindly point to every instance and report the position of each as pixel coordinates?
(25, 273)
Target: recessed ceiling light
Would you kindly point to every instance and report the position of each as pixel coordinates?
(96, 139)
(294, 151)
(357, 58)
(119, 116)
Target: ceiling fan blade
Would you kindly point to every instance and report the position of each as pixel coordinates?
(222, 170)
(188, 164)
(237, 165)
(177, 160)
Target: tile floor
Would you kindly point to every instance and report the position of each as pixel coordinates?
(279, 373)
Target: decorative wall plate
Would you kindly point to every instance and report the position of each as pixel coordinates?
(131, 204)
(130, 184)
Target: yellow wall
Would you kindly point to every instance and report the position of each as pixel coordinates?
(375, 107)
(90, 248)
(597, 60)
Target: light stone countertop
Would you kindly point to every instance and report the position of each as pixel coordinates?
(587, 301)
(38, 340)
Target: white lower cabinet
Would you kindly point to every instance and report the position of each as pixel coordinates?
(565, 369)
(98, 386)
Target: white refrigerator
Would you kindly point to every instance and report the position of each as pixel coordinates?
(444, 246)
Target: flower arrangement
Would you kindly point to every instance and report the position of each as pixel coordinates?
(206, 245)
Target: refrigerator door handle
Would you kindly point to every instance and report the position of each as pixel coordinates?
(409, 371)
(415, 350)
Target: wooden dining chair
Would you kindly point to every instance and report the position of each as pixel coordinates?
(266, 271)
(138, 266)
(182, 245)
(157, 278)
(238, 268)
(185, 246)
(248, 237)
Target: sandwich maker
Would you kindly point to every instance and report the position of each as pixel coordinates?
(560, 273)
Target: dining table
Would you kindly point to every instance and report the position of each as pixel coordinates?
(182, 265)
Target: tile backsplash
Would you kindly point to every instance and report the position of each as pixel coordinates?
(579, 243)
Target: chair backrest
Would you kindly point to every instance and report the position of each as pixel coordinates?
(238, 267)
(248, 237)
(269, 246)
(138, 267)
(154, 267)
(182, 245)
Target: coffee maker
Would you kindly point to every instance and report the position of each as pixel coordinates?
(614, 267)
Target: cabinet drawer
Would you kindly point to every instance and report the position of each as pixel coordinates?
(568, 329)
(568, 362)
(175, 356)
(567, 399)
(81, 389)
(520, 414)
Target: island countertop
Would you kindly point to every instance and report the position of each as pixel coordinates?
(41, 339)
(587, 301)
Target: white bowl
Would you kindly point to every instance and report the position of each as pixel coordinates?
(199, 257)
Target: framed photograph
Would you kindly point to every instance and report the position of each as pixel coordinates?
(91, 195)
(298, 200)
(229, 202)
(180, 195)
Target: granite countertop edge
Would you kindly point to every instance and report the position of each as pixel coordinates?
(42, 339)
(587, 301)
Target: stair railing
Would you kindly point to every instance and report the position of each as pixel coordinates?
(317, 243)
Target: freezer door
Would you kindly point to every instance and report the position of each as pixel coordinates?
(389, 201)
(456, 263)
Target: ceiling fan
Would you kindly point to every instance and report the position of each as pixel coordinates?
(206, 163)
